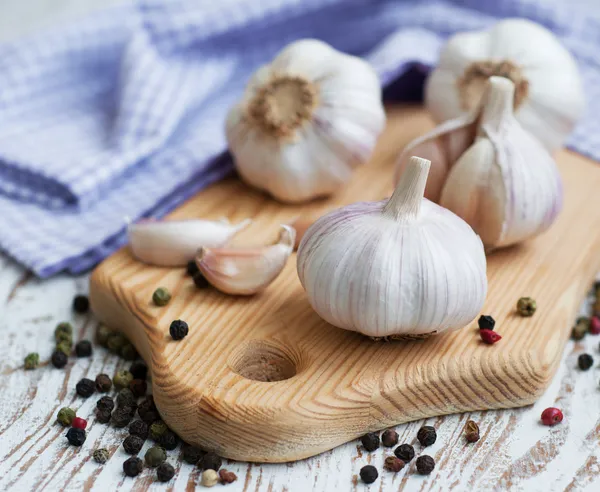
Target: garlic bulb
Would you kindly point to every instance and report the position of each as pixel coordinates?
(405, 268)
(506, 185)
(548, 96)
(305, 122)
(176, 242)
(246, 271)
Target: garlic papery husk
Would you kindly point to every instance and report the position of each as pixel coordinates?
(506, 185)
(176, 242)
(246, 271)
(402, 268)
(549, 96)
(305, 122)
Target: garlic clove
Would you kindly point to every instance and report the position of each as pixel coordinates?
(176, 242)
(246, 271)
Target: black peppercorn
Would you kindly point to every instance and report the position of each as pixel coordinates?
(191, 454)
(75, 436)
(139, 370)
(486, 323)
(83, 348)
(81, 304)
(155, 456)
(425, 464)
(103, 416)
(138, 387)
(368, 474)
(389, 438)
(148, 415)
(579, 331)
(405, 452)
(585, 361)
(105, 403)
(59, 359)
(426, 435)
(210, 461)
(178, 329)
(165, 472)
(121, 417)
(115, 342)
(102, 335)
(192, 268)
(125, 398)
(139, 428)
(103, 383)
(133, 444)
(128, 352)
(169, 440)
(200, 281)
(393, 464)
(370, 441)
(85, 388)
(133, 466)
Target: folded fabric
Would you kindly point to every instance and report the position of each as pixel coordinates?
(122, 113)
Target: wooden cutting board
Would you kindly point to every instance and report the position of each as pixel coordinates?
(339, 385)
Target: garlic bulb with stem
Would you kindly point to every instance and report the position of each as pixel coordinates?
(401, 268)
(305, 122)
(505, 185)
(246, 271)
(548, 98)
(176, 242)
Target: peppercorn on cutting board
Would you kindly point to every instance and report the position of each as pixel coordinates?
(216, 387)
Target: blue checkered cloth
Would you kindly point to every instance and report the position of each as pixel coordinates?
(122, 113)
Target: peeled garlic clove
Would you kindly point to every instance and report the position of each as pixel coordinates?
(246, 271)
(176, 242)
(305, 122)
(506, 185)
(548, 98)
(403, 267)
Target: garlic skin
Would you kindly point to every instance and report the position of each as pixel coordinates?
(402, 268)
(246, 271)
(173, 243)
(549, 97)
(506, 185)
(305, 122)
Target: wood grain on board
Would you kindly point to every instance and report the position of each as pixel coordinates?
(339, 384)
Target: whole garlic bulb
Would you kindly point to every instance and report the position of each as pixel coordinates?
(548, 96)
(306, 121)
(506, 185)
(402, 268)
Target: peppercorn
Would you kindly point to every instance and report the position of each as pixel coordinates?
(200, 281)
(486, 322)
(389, 438)
(133, 444)
(426, 435)
(75, 436)
(79, 423)
(155, 456)
(139, 428)
(133, 466)
(178, 329)
(191, 454)
(370, 441)
(103, 383)
(63, 329)
(579, 330)
(121, 417)
(59, 359)
(103, 333)
(425, 464)
(594, 325)
(165, 472)
(488, 336)
(85, 387)
(227, 476)
(128, 352)
(168, 440)
(81, 304)
(122, 379)
(148, 414)
(65, 347)
(83, 348)
(157, 429)
(368, 474)
(393, 464)
(552, 416)
(101, 455)
(161, 296)
(585, 361)
(210, 461)
(63, 337)
(65, 416)
(526, 306)
(103, 416)
(32, 361)
(115, 342)
(471, 431)
(125, 397)
(139, 370)
(138, 387)
(405, 452)
(191, 268)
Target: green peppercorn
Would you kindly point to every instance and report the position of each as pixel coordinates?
(63, 337)
(161, 296)
(157, 429)
(32, 360)
(165, 472)
(128, 352)
(65, 416)
(101, 455)
(133, 444)
(115, 342)
(65, 347)
(103, 383)
(126, 398)
(526, 306)
(580, 329)
(122, 379)
(155, 456)
(63, 329)
(102, 334)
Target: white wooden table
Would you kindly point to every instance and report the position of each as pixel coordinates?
(515, 452)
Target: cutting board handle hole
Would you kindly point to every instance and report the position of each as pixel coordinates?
(264, 361)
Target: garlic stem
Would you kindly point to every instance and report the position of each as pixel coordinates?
(405, 202)
(497, 103)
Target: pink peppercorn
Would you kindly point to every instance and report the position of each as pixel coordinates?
(595, 325)
(489, 336)
(79, 423)
(552, 416)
